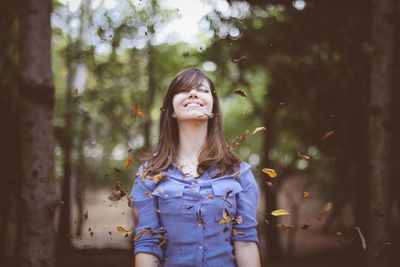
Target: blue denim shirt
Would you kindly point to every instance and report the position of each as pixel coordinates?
(192, 212)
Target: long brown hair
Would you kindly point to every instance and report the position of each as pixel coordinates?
(215, 152)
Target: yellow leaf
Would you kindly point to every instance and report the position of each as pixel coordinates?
(270, 172)
(123, 231)
(258, 129)
(148, 193)
(158, 177)
(326, 208)
(280, 212)
(306, 194)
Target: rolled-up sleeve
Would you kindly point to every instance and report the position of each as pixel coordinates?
(247, 208)
(145, 205)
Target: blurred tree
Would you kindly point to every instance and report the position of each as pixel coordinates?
(38, 198)
(380, 126)
(10, 148)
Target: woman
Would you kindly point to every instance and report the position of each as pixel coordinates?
(195, 199)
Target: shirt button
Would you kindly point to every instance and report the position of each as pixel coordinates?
(200, 247)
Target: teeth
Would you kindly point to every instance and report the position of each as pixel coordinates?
(193, 105)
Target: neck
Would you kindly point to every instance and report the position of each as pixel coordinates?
(192, 137)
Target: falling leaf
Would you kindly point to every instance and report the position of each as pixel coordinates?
(137, 111)
(159, 190)
(237, 60)
(148, 193)
(326, 208)
(363, 243)
(241, 93)
(239, 140)
(162, 240)
(306, 194)
(270, 172)
(85, 215)
(123, 231)
(284, 226)
(280, 212)
(156, 178)
(258, 129)
(303, 156)
(117, 193)
(305, 227)
(269, 184)
(210, 196)
(128, 162)
(327, 135)
(227, 218)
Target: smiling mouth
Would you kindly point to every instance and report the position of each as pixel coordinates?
(193, 105)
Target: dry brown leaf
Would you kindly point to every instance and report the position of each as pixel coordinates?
(240, 92)
(328, 206)
(327, 135)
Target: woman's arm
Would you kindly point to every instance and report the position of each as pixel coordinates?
(146, 260)
(247, 254)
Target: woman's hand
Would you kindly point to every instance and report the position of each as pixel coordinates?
(247, 254)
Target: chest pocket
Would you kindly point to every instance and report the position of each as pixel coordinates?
(169, 197)
(225, 192)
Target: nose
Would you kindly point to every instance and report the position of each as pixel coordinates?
(193, 93)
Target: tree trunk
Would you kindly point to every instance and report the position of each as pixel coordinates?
(379, 131)
(10, 157)
(38, 198)
(64, 224)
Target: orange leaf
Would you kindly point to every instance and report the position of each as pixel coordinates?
(306, 194)
(137, 111)
(128, 162)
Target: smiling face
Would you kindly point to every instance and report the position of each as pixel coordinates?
(193, 103)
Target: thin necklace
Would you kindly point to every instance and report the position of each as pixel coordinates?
(189, 168)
